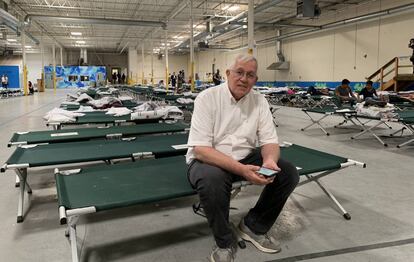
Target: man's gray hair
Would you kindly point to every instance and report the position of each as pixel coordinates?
(244, 58)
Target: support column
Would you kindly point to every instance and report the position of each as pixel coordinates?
(54, 66)
(84, 55)
(42, 51)
(132, 65)
(166, 59)
(61, 58)
(152, 62)
(250, 28)
(23, 35)
(143, 63)
(191, 47)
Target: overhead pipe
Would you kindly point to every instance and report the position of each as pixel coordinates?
(14, 24)
(390, 11)
(333, 25)
(102, 21)
(275, 25)
(226, 26)
(257, 9)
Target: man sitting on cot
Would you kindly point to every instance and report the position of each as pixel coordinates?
(345, 94)
(369, 92)
(228, 122)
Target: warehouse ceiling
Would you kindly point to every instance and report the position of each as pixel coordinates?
(115, 25)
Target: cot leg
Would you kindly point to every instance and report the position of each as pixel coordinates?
(345, 214)
(316, 122)
(346, 119)
(401, 130)
(342, 123)
(17, 184)
(406, 143)
(411, 128)
(372, 133)
(18, 180)
(351, 120)
(22, 173)
(72, 237)
(390, 127)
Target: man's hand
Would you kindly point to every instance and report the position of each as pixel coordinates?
(250, 174)
(271, 165)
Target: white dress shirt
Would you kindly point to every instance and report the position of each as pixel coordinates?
(232, 127)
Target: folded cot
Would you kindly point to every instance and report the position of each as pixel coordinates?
(99, 188)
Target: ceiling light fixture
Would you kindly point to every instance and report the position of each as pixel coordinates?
(75, 33)
(80, 42)
(233, 8)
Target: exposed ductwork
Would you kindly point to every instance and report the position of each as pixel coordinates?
(334, 25)
(228, 25)
(87, 20)
(273, 25)
(367, 17)
(281, 64)
(11, 22)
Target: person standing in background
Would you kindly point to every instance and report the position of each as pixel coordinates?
(4, 81)
(114, 78)
(173, 80)
(217, 78)
(118, 76)
(123, 78)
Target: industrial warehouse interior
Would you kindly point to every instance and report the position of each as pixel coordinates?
(128, 129)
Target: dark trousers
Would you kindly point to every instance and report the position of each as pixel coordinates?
(214, 184)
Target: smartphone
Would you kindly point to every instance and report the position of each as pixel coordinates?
(267, 172)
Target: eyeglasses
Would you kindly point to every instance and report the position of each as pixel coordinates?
(240, 74)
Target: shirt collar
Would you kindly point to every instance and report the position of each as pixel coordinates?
(230, 97)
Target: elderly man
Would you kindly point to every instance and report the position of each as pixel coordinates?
(228, 123)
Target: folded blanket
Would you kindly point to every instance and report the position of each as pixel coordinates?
(118, 111)
(164, 112)
(84, 98)
(185, 101)
(61, 115)
(374, 111)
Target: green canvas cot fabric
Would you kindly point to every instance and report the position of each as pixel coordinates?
(79, 134)
(408, 120)
(95, 150)
(125, 184)
(120, 185)
(99, 117)
(328, 110)
(406, 114)
(310, 161)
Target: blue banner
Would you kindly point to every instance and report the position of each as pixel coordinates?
(76, 76)
(356, 86)
(12, 73)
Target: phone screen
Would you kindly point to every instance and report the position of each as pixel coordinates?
(267, 172)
